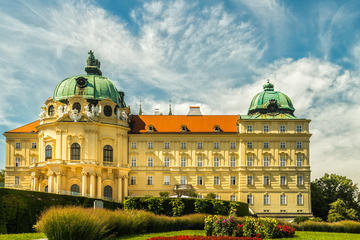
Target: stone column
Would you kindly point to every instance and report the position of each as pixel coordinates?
(84, 183)
(120, 193)
(50, 182)
(58, 182)
(36, 183)
(92, 185)
(126, 184)
(99, 187)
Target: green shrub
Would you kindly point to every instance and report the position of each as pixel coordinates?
(177, 207)
(347, 226)
(20, 209)
(154, 205)
(220, 207)
(70, 222)
(164, 194)
(301, 219)
(203, 206)
(210, 196)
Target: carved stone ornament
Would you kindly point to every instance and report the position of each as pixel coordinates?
(75, 115)
(62, 111)
(124, 116)
(42, 114)
(92, 111)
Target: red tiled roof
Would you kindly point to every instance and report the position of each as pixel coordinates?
(173, 123)
(28, 128)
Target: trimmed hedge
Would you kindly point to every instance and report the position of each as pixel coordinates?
(20, 209)
(346, 226)
(183, 206)
(203, 238)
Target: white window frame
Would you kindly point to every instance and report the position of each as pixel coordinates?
(166, 161)
(299, 128)
(266, 161)
(18, 145)
(133, 162)
(232, 180)
(216, 145)
(199, 161)
(133, 180)
(282, 145)
(232, 161)
(282, 199)
(249, 145)
(166, 145)
(232, 145)
(133, 145)
(183, 161)
(33, 145)
(183, 180)
(150, 162)
(282, 161)
(250, 199)
(249, 180)
(17, 162)
(282, 128)
(199, 180)
(299, 145)
(216, 161)
(266, 180)
(299, 180)
(17, 180)
(266, 128)
(299, 160)
(216, 180)
(266, 199)
(249, 128)
(199, 145)
(183, 145)
(300, 199)
(149, 180)
(266, 145)
(283, 181)
(166, 180)
(249, 161)
(150, 145)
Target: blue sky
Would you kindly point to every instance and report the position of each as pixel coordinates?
(216, 54)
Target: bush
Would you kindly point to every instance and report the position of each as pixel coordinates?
(164, 194)
(301, 219)
(346, 226)
(210, 196)
(71, 222)
(202, 238)
(181, 206)
(20, 209)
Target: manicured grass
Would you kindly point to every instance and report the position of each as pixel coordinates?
(22, 236)
(300, 235)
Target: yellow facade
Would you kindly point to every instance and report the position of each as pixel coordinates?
(82, 150)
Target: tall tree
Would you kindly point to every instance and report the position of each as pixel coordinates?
(328, 189)
(2, 177)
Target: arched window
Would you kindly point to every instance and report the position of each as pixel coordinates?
(77, 106)
(46, 189)
(51, 110)
(108, 192)
(75, 151)
(48, 152)
(75, 189)
(108, 153)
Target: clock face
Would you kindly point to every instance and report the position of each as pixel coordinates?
(81, 82)
(107, 111)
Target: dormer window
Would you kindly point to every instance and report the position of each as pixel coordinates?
(51, 110)
(216, 128)
(183, 128)
(151, 128)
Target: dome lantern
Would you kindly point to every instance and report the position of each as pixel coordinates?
(92, 65)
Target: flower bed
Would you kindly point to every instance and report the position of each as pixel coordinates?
(204, 238)
(250, 227)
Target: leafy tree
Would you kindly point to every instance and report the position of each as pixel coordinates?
(2, 177)
(211, 196)
(164, 194)
(339, 211)
(328, 189)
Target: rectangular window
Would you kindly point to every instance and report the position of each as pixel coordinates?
(299, 199)
(183, 180)
(216, 180)
(166, 162)
(250, 199)
(266, 199)
(299, 180)
(299, 160)
(282, 145)
(33, 145)
(232, 180)
(217, 197)
(199, 180)
(282, 161)
(183, 162)
(249, 128)
(266, 180)
(266, 129)
(249, 161)
(283, 199)
(232, 161)
(216, 145)
(150, 180)
(17, 180)
(150, 162)
(133, 145)
(133, 161)
(199, 145)
(299, 145)
(183, 145)
(232, 145)
(17, 162)
(133, 180)
(266, 145)
(166, 180)
(216, 162)
(250, 180)
(282, 128)
(199, 161)
(266, 161)
(249, 145)
(150, 145)
(282, 180)
(232, 198)
(298, 128)
(166, 145)
(17, 145)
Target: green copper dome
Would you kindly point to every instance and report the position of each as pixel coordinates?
(92, 86)
(271, 102)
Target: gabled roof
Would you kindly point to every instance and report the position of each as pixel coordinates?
(28, 128)
(173, 123)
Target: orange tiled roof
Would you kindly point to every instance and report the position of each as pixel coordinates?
(28, 128)
(173, 123)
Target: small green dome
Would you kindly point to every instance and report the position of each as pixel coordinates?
(90, 86)
(270, 101)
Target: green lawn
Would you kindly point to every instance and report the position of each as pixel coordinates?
(298, 236)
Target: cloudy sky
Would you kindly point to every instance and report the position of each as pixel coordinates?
(209, 53)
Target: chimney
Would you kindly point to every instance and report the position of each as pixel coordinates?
(194, 111)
